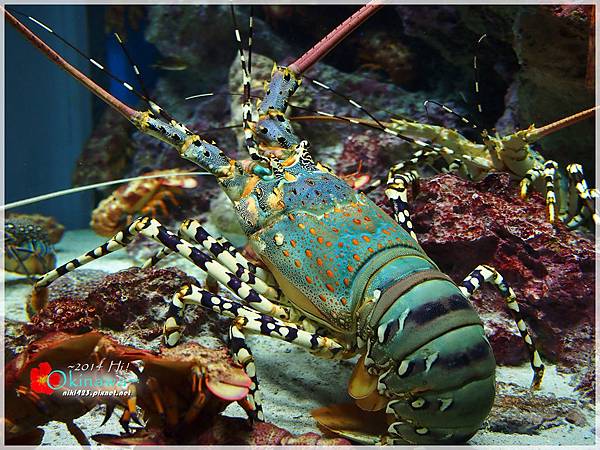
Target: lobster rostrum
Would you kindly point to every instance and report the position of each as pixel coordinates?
(343, 278)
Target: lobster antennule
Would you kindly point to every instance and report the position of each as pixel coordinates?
(336, 36)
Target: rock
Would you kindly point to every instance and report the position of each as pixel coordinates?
(138, 299)
(69, 316)
(461, 224)
(519, 411)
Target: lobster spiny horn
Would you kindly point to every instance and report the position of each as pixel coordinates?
(336, 36)
(537, 133)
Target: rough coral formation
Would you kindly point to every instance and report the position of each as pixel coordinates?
(462, 224)
(70, 316)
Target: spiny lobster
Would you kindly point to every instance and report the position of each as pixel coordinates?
(348, 278)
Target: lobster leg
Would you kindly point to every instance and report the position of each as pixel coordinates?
(581, 197)
(243, 355)
(194, 232)
(486, 274)
(153, 229)
(245, 320)
(396, 193)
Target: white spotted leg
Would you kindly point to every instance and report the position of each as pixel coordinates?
(486, 274)
(152, 229)
(396, 193)
(192, 231)
(581, 198)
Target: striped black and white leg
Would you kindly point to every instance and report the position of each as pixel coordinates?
(396, 193)
(581, 198)
(256, 323)
(192, 231)
(243, 356)
(486, 274)
(152, 229)
(245, 320)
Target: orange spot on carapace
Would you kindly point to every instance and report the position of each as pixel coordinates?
(344, 301)
(335, 230)
(319, 261)
(346, 281)
(298, 263)
(320, 239)
(291, 217)
(366, 238)
(312, 231)
(328, 244)
(293, 242)
(322, 297)
(350, 269)
(329, 273)
(356, 257)
(370, 249)
(367, 218)
(386, 232)
(356, 221)
(286, 253)
(329, 286)
(301, 226)
(308, 253)
(308, 279)
(355, 241)
(340, 244)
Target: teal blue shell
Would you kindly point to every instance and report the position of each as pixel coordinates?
(322, 240)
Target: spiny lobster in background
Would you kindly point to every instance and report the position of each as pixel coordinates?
(392, 289)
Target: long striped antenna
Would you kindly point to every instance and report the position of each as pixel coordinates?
(476, 71)
(451, 111)
(136, 70)
(349, 100)
(250, 33)
(141, 95)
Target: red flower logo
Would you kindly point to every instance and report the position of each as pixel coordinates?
(39, 377)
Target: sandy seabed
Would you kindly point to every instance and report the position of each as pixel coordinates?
(293, 382)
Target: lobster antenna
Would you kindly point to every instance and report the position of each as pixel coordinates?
(88, 187)
(476, 70)
(349, 100)
(250, 33)
(134, 66)
(451, 111)
(146, 96)
(127, 86)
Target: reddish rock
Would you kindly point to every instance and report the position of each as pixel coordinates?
(138, 299)
(462, 224)
(67, 315)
